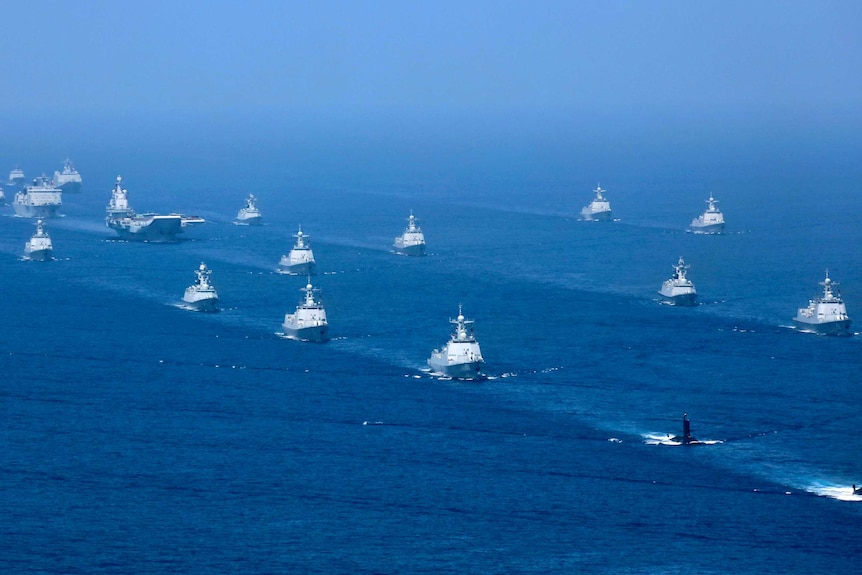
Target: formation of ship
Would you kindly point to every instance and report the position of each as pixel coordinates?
(149, 227)
(201, 295)
(412, 241)
(39, 247)
(461, 357)
(300, 259)
(249, 215)
(678, 290)
(308, 322)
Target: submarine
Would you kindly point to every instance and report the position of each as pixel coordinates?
(685, 438)
(857, 490)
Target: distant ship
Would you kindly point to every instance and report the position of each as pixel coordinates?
(143, 227)
(599, 209)
(16, 178)
(679, 290)
(249, 215)
(40, 200)
(201, 295)
(461, 357)
(39, 248)
(69, 180)
(412, 241)
(826, 314)
(300, 260)
(709, 222)
(309, 322)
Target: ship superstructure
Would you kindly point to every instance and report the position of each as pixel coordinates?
(308, 322)
(300, 260)
(599, 209)
(412, 241)
(69, 180)
(39, 247)
(461, 357)
(39, 200)
(826, 314)
(679, 290)
(249, 215)
(201, 295)
(709, 222)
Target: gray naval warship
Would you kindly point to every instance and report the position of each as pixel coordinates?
(412, 241)
(599, 209)
(300, 260)
(826, 314)
(249, 215)
(201, 295)
(679, 290)
(69, 180)
(143, 227)
(461, 357)
(42, 199)
(709, 222)
(309, 322)
(39, 248)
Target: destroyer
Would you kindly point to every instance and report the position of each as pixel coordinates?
(709, 222)
(461, 357)
(249, 215)
(412, 241)
(826, 314)
(69, 180)
(39, 248)
(308, 323)
(599, 209)
(679, 290)
(143, 227)
(201, 295)
(40, 200)
(300, 260)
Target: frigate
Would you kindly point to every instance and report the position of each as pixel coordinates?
(39, 248)
(412, 241)
(308, 323)
(679, 290)
(249, 215)
(461, 357)
(201, 295)
(826, 314)
(599, 209)
(69, 180)
(709, 222)
(300, 260)
(39, 200)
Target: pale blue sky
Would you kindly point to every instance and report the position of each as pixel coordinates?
(322, 58)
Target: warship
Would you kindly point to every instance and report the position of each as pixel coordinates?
(679, 290)
(300, 260)
(709, 222)
(69, 180)
(461, 357)
(827, 314)
(599, 209)
(16, 178)
(39, 248)
(412, 241)
(308, 323)
(249, 215)
(201, 295)
(39, 200)
(143, 227)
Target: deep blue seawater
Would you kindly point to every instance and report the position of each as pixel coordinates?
(139, 437)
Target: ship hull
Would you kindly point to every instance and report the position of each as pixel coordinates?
(209, 304)
(161, 229)
(41, 255)
(253, 221)
(303, 269)
(415, 250)
(840, 327)
(686, 299)
(70, 187)
(468, 370)
(315, 333)
(708, 229)
(43, 211)
(598, 216)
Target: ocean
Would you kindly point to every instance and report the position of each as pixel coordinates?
(140, 437)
